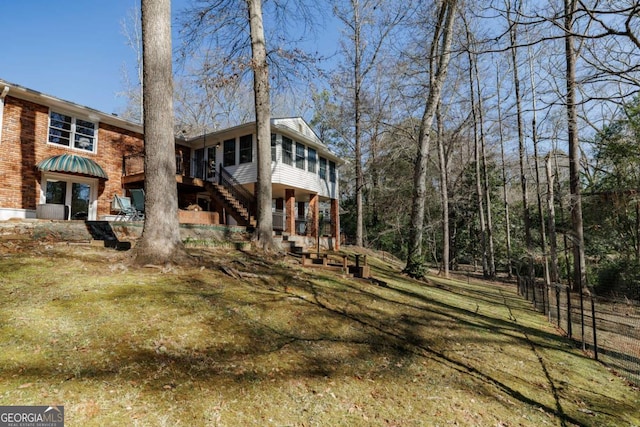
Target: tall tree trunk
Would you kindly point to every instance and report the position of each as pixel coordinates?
(560, 197)
(491, 264)
(476, 155)
(438, 64)
(505, 199)
(513, 28)
(553, 240)
(444, 195)
(534, 137)
(357, 75)
(160, 242)
(491, 261)
(264, 230)
(579, 265)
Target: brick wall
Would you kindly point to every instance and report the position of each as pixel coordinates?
(113, 144)
(24, 130)
(24, 143)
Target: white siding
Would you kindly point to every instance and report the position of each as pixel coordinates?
(288, 175)
(246, 173)
(297, 125)
(302, 179)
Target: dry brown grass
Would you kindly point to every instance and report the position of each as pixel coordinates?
(284, 346)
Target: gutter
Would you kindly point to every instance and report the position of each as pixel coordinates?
(4, 93)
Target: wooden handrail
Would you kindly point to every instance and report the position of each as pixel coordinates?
(237, 190)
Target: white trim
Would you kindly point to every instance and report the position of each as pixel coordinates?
(10, 213)
(70, 179)
(278, 126)
(74, 117)
(40, 98)
(3, 94)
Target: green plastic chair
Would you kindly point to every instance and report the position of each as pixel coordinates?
(137, 198)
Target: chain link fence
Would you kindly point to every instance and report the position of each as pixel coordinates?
(607, 328)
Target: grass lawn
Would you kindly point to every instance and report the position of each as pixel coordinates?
(272, 344)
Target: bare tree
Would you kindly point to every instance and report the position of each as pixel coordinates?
(513, 38)
(551, 211)
(579, 265)
(483, 193)
(475, 109)
(132, 31)
(534, 137)
(368, 25)
(612, 45)
(224, 24)
(505, 200)
(444, 194)
(264, 231)
(160, 242)
(440, 54)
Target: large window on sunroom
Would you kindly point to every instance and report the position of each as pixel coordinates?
(287, 151)
(311, 160)
(229, 152)
(323, 168)
(72, 132)
(246, 149)
(273, 147)
(299, 155)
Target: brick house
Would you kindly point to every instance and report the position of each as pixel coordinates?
(61, 160)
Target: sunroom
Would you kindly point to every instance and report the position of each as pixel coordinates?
(304, 175)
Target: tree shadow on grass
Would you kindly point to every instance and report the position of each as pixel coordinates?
(325, 326)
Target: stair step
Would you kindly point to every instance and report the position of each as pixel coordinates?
(236, 208)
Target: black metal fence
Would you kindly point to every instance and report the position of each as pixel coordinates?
(607, 328)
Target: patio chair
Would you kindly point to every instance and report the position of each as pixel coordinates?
(126, 212)
(137, 199)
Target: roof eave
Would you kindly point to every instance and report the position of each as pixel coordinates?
(27, 94)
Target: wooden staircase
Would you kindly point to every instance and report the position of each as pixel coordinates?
(237, 208)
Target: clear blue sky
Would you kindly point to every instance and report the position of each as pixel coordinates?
(70, 49)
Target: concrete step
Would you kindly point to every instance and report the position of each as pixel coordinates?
(296, 249)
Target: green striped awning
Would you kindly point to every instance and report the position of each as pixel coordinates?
(72, 163)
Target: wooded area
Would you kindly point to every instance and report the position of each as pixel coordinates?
(503, 134)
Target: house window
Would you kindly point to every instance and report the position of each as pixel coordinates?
(72, 132)
(246, 149)
(299, 155)
(311, 160)
(273, 147)
(56, 192)
(287, 151)
(77, 194)
(198, 163)
(332, 171)
(323, 168)
(229, 154)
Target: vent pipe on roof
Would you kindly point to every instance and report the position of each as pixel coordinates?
(4, 93)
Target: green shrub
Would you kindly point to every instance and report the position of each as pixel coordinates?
(619, 277)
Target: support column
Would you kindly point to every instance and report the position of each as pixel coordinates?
(290, 211)
(335, 223)
(314, 213)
